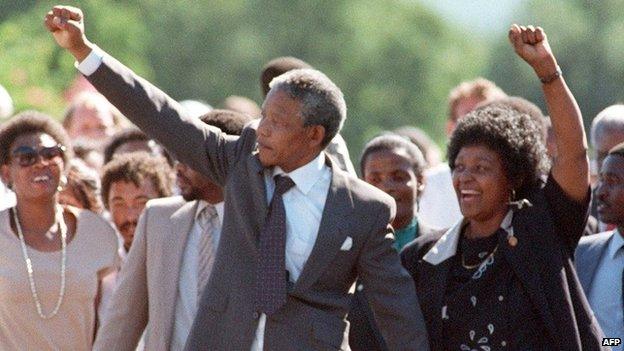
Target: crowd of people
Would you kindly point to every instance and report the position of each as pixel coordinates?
(142, 223)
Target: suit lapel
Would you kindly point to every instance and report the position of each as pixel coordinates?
(257, 189)
(331, 234)
(431, 283)
(173, 245)
(587, 262)
(530, 279)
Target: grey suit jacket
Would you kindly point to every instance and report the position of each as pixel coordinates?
(148, 281)
(587, 256)
(314, 315)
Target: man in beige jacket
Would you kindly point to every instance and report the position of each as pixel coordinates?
(167, 249)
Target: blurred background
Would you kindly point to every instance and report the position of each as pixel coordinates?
(395, 60)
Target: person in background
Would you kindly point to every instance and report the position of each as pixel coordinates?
(503, 277)
(607, 131)
(175, 241)
(438, 205)
(394, 165)
(54, 257)
(91, 117)
(429, 149)
(196, 107)
(337, 147)
(600, 258)
(82, 189)
(7, 197)
(132, 140)
(128, 182)
(241, 104)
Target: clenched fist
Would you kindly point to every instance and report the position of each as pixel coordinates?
(67, 26)
(532, 46)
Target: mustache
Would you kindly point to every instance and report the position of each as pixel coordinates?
(127, 225)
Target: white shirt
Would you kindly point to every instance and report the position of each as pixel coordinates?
(186, 300)
(605, 294)
(438, 206)
(7, 197)
(304, 204)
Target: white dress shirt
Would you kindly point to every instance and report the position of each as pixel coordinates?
(186, 301)
(304, 204)
(605, 293)
(438, 206)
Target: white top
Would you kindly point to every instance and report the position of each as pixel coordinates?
(605, 293)
(7, 197)
(438, 206)
(304, 204)
(186, 301)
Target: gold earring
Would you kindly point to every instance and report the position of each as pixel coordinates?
(62, 183)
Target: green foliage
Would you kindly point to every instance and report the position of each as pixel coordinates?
(394, 60)
(588, 40)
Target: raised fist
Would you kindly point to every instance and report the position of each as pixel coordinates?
(532, 46)
(67, 26)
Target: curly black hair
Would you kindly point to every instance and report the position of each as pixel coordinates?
(135, 167)
(32, 122)
(230, 122)
(515, 136)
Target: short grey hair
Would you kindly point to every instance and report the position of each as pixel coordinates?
(322, 102)
(611, 119)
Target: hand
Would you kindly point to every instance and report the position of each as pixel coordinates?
(532, 46)
(67, 26)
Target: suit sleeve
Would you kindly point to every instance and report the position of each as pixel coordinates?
(127, 313)
(390, 290)
(204, 148)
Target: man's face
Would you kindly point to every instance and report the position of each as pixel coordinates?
(91, 121)
(282, 139)
(605, 141)
(610, 191)
(126, 201)
(463, 107)
(196, 186)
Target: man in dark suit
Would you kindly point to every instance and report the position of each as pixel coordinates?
(600, 258)
(283, 270)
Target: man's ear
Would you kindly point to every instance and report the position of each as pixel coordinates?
(316, 135)
(421, 186)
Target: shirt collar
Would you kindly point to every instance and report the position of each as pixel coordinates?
(201, 204)
(446, 247)
(307, 175)
(615, 246)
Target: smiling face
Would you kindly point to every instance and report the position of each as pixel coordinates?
(480, 183)
(39, 180)
(610, 191)
(282, 138)
(392, 172)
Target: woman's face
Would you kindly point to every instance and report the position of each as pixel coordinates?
(35, 166)
(480, 183)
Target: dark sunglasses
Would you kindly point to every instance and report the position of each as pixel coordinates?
(27, 156)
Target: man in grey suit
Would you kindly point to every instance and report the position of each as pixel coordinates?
(599, 258)
(297, 231)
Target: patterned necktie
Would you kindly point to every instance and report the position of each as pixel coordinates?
(271, 268)
(208, 222)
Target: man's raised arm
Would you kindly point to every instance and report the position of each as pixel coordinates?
(192, 142)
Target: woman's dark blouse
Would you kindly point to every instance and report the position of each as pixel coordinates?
(488, 308)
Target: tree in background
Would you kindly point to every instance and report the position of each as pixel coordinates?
(394, 60)
(589, 37)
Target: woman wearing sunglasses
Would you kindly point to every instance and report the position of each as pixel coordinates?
(53, 257)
